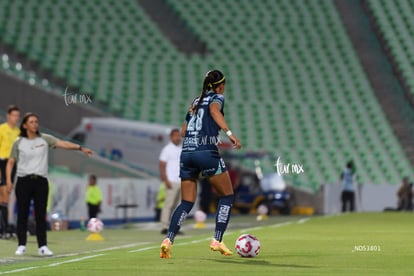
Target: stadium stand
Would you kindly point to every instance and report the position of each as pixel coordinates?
(394, 22)
(295, 86)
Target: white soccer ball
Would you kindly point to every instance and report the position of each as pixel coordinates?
(262, 209)
(95, 225)
(247, 246)
(200, 216)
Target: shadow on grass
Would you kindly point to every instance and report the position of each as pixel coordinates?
(259, 262)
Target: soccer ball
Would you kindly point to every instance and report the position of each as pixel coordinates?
(200, 216)
(262, 209)
(247, 246)
(95, 225)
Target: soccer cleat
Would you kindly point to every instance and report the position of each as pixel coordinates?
(44, 251)
(215, 245)
(165, 249)
(21, 249)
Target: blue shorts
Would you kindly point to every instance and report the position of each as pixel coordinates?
(201, 163)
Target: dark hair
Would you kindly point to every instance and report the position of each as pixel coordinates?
(12, 108)
(23, 131)
(93, 177)
(350, 165)
(212, 80)
(173, 131)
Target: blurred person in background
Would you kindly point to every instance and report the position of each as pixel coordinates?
(159, 203)
(348, 188)
(8, 133)
(93, 197)
(405, 196)
(170, 176)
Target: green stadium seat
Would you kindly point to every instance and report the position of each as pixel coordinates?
(292, 60)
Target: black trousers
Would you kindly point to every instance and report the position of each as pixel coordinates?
(3, 164)
(93, 210)
(348, 197)
(4, 210)
(34, 188)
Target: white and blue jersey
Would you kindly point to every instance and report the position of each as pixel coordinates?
(200, 155)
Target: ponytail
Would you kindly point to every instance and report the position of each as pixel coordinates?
(212, 80)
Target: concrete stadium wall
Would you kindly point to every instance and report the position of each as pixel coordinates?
(78, 162)
(369, 197)
(308, 199)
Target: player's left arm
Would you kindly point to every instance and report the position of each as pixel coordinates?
(218, 116)
(221, 122)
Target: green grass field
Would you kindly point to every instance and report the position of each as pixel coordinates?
(351, 244)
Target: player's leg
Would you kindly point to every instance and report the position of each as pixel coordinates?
(188, 175)
(188, 197)
(4, 199)
(177, 197)
(222, 184)
(171, 201)
(3, 210)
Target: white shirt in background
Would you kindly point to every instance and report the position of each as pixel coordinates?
(170, 154)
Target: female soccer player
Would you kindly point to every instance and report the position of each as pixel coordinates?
(200, 156)
(30, 153)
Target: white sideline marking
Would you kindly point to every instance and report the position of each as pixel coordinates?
(303, 220)
(334, 215)
(143, 249)
(281, 224)
(103, 250)
(251, 229)
(74, 260)
(19, 270)
(51, 265)
(77, 259)
(196, 241)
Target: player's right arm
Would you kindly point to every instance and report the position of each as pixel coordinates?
(187, 118)
(183, 129)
